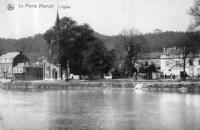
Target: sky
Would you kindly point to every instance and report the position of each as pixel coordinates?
(109, 17)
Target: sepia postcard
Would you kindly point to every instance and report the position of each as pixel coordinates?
(99, 64)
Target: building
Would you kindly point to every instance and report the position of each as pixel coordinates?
(172, 63)
(22, 72)
(50, 70)
(8, 62)
(16, 66)
(152, 57)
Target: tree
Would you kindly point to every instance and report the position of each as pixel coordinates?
(133, 45)
(67, 42)
(188, 48)
(151, 69)
(195, 12)
(76, 46)
(147, 69)
(97, 59)
(120, 53)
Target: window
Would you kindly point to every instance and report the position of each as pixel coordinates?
(199, 62)
(190, 62)
(167, 63)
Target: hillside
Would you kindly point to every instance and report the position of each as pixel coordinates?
(36, 46)
(109, 41)
(33, 47)
(155, 41)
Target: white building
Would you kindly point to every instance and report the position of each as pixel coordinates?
(172, 63)
(9, 61)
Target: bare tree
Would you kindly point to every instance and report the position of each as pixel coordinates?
(189, 48)
(195, 12)
(133, 42)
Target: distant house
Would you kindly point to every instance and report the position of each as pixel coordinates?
(8, 62)
(28, 73)
(50, 70)
(152, 57)
(172, 64)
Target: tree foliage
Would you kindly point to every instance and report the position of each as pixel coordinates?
(75, 44)
(98, 59)
(147, 69)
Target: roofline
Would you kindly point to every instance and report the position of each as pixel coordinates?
(164, 58)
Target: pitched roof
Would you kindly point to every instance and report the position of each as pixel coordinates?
(151, 55)
(10, 55)
(171, 51)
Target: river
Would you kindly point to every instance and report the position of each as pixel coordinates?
(96, 108)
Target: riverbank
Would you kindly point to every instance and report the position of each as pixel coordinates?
(122, 83)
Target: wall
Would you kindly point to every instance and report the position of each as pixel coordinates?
(31, 73)
(5, 70)
(51, 71)
(174, 65)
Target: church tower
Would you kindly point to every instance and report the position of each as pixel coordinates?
(57, 23)
(54, 48)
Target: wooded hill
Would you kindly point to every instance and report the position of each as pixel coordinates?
(33, 47)
(155, 41)
(36, 46)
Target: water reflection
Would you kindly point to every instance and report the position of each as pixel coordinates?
(95, 108)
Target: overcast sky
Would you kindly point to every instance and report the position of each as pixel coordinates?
(108, 17)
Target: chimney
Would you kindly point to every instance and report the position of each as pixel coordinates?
(164, 49)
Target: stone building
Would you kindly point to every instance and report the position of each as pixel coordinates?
(9, 61)
(50, 70)
(172, 63)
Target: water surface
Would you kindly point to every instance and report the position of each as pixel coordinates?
(96, 108)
